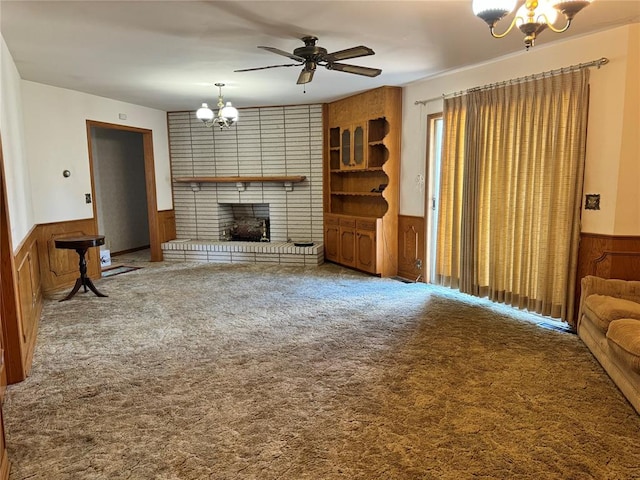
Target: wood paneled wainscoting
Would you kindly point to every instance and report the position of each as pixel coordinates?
(22, 305)
(167, 225)
(608, 256)
(411, 248)
(59, 268)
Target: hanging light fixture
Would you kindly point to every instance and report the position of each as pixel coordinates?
(227, 114)
(531, 18)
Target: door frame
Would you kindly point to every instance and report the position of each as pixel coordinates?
(149, 176)
(430, 199)
(11, 363)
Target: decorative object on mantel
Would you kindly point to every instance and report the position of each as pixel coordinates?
(531, 18)
(241, 182)
(227, 114)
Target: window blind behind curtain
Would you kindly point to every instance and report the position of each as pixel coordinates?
(511, 189)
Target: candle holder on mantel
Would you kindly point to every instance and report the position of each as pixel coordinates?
(226, 233)
(264, 237)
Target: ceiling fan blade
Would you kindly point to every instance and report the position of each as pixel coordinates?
(305, 76)
(360, 51)
(358, 70)
(282, 52)
(270, 66)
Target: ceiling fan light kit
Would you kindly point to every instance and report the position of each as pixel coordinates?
(311, 55)
(227, 113)
(532, 17)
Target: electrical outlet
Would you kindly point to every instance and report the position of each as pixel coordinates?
(87, 198)
(418, 264)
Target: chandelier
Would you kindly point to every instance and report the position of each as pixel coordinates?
(531, 18)
(227, 114)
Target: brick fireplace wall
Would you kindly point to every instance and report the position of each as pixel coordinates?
(265, 141)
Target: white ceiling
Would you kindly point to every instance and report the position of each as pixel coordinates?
(168, 54)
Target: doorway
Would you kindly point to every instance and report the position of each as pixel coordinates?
(123, 187)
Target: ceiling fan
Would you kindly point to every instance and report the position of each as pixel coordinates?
(312, 55)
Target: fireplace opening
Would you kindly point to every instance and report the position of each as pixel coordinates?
(249, 229)
(245, 222)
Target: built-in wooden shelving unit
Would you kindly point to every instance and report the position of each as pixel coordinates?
(361, 180)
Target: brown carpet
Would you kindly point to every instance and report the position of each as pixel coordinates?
(264, 372)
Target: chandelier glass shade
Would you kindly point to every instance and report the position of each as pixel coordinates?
(227, 113)
(531, 18)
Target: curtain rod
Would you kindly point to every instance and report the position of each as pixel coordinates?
(594, 63)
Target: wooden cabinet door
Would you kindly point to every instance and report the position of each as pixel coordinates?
(359, 148)
(345, 148)
(353, 147)
(332, 239)
(366, 249)
(347, 245)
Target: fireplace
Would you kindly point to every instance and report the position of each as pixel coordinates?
(245, 222)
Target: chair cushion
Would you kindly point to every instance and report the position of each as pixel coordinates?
(623, 338)
(602, 310)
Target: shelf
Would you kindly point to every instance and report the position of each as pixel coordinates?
(357, 170)
(358, 194)
(241, 182)
(334, 137)
(378, 129)
(365, 217)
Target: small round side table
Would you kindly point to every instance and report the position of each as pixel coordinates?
(81, 244)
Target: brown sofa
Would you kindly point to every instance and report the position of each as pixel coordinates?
(609, 324)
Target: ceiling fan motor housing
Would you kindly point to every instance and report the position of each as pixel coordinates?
(310, 51)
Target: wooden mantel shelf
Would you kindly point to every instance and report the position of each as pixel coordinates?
(241, 182)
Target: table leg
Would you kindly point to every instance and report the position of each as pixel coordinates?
(83, 281)
(76, 287)
(89, 283)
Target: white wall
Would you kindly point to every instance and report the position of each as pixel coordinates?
(56, 136)
(605, 134)
(21, 215)
(628, 204)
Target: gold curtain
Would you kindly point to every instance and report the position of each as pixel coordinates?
(511, 189)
